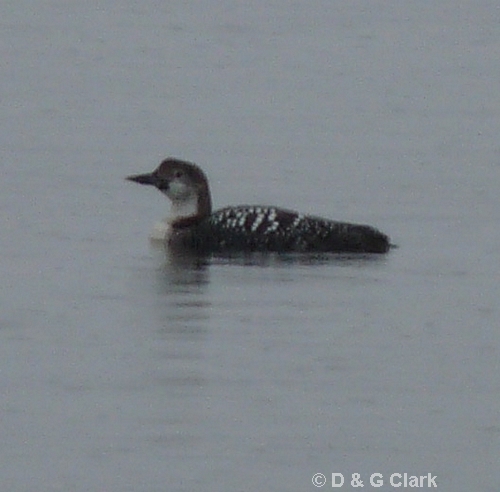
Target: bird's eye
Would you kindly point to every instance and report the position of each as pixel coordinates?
(178, 174)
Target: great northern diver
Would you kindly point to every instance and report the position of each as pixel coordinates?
(247, 228)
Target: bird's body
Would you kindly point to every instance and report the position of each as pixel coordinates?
(247, 228)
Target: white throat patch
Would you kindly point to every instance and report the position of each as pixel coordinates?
(184, 208)
(183, 198)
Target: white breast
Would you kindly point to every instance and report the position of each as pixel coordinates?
(161, 231)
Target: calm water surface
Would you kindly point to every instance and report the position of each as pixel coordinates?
(125, 370)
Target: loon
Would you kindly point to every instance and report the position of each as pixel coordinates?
(196, 228)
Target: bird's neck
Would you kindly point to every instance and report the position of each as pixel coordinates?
(191, 210)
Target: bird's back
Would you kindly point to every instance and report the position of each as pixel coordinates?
(272, 229)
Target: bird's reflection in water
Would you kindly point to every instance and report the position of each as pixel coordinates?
(281, 260)
(182, 282)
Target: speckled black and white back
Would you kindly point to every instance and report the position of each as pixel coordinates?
(271, 229)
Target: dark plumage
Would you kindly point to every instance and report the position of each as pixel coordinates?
(245, 228)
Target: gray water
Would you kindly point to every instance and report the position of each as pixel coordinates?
(123, 371)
